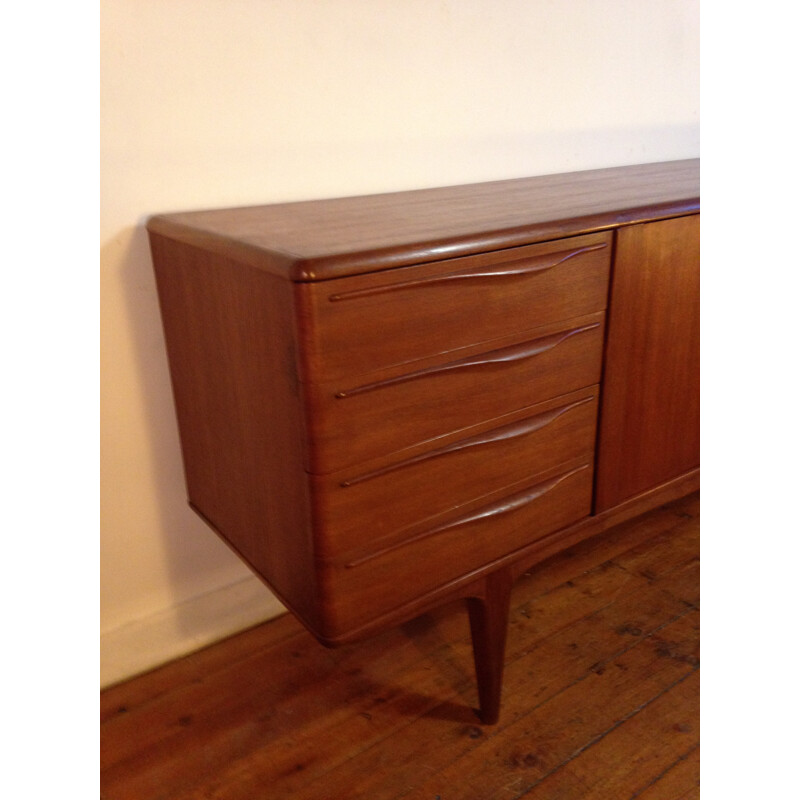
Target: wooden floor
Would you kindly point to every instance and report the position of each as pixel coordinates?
(600, 696)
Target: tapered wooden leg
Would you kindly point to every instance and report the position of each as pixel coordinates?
(488, 621)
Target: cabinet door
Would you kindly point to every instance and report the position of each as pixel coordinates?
(650, 412)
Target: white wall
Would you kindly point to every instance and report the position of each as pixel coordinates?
(209, 103)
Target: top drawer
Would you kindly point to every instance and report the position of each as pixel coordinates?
(363, 323)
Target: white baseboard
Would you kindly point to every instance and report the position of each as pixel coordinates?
(154, 640)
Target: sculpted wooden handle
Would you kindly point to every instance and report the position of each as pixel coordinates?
(522, 266)
(515, 430)
(505, 355)
(504, 506)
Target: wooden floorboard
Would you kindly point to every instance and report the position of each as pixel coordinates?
(600, 696)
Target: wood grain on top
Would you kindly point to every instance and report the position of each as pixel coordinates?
(321, 239)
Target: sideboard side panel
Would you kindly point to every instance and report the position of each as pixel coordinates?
(230, 336)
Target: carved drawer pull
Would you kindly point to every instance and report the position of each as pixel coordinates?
(505, 355)
(522, 266)
(501, 507)
(515, 430)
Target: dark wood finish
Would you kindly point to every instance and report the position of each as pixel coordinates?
(519, 561)
(347, 423)
(650, 425)
(488, 624)
(399, 409)
(322, 239)
(599, 695)
(362, 506)
(388, 574)
(368, 322)
(229, 331)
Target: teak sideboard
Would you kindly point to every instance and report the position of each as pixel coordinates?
(387, 403)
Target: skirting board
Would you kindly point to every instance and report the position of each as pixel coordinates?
(146, 643)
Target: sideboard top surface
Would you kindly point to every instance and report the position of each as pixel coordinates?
(321, 239)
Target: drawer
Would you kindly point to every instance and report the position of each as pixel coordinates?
(384, 577)
(363, 323)
(368, 503)
(356, 420)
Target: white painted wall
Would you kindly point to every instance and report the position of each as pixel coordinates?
(209, 103)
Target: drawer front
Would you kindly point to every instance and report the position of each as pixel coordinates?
(382, 578)
(353, 421)
(366, 504)
(359, 324)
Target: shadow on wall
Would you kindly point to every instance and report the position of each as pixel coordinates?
(197, 561)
